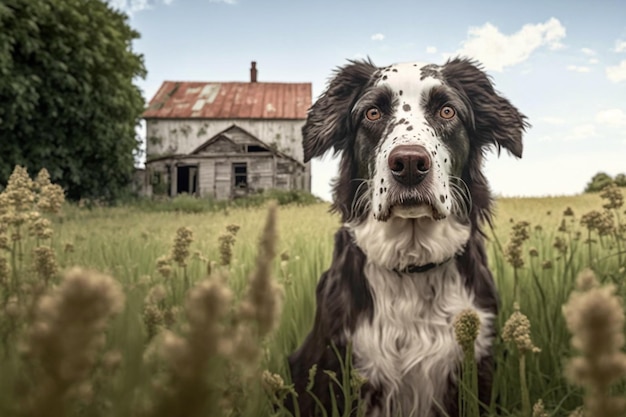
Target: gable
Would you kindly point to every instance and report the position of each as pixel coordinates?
(233, 140)
(218, 144)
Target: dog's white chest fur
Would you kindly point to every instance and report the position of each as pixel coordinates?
(409, 349)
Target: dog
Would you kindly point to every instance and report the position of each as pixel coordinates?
(410, 255)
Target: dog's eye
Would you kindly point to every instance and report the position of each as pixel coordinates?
(447, 112)
(373, 114)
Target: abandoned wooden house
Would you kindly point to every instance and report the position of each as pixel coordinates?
(226, 139)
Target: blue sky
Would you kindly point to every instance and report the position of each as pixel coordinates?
(562, 63)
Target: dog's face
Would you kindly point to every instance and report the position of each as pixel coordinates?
(411, 136)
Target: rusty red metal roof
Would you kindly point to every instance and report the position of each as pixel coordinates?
(230, 100)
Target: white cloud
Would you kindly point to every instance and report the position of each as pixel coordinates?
(611, 117)
(378, 37)
(617, 73)
(133, 6)
(584, 131)
(594, 61)
(620, 45)
(130, 6)
(588, 52)
(578, 68)
(431, 50)
(496, 50)
(557, 121)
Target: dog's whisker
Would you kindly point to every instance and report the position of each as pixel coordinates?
(461, 196)
(362, 201)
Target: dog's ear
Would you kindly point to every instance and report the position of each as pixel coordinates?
(328, 120)
(496, 120)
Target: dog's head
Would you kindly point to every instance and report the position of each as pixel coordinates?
(412, 138)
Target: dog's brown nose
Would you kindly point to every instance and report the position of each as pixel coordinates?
(409, 164)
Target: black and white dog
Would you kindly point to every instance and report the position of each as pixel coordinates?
(410, 255)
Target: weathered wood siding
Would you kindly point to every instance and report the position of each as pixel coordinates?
(183, 136)
(173, 141)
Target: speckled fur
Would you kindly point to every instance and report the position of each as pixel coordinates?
(399, 324)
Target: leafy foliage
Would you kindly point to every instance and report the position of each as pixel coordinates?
(67, 98)
(601, 180)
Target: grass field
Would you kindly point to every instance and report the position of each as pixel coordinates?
(160, 339)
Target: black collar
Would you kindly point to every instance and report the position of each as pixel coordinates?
(416, 269)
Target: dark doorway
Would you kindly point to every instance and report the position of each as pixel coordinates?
(187, 179)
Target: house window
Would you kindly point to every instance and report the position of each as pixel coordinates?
(240, 174)
(256, 148)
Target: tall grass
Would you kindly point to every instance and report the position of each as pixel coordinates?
(172, 266)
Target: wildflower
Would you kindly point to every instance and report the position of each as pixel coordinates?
(357, 381)
(45, 263)
(67, 334)
(517, 331)
(264, 295)
(4, 272)
(180, 250)
(206, 307)
(568, 212)
(111, 360)
(311, 379)
(272, 383)
(226, 242)
(163, 266)
(152, 318)
(560, 245)
(466, 327)
(562, 226)
(19, 190)
(533, 252)
(68, 248)
(41, 228)
(546, 264)
(600, 222)
(614, 195)
(539, 410)
(233, 229)
(50, 196)
(156, 294)
(595, 317)
(513, 251)
(578, 412)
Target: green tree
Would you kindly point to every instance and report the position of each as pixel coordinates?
(67, 98)
(620, 180)
(598, 182)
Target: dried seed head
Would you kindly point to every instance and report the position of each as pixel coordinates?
(560, 245)
(539, 410)
(517, 331)
(45, 263)
(50, 196)
(272, 383)
(613, 194)
(602, 222)
(226, 242)
(513, 250)
(19, 190)
(67, 333)
(466, 328)
(180, 250)
(594, 315)
(264, 294)
(164, 266)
